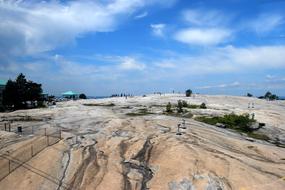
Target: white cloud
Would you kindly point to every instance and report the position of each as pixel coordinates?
(166, 65)
(28, 27)
(199, 36)
(203, 17)
(257, 56)
(275, 78)
(212, 61)
(269, 77)
(225, 60)
(129, 63)
(265, 23)
(142, 15)
(158, 29)
(68, 68)
(230, 85)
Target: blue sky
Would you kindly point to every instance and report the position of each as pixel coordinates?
(103, 47)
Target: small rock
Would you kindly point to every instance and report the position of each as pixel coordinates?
(220, 125)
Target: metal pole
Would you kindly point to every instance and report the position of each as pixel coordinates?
(9, 166)
(32, 152)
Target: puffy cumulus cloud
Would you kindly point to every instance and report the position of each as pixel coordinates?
(158, 29)
(201, 36)
(28, 27)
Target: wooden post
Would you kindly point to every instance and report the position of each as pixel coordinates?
(9, 127)
(47, 141)
(45, 131)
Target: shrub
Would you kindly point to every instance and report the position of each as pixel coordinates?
(184, 104)
(188, 93)
(168, 107)
(82, 96)
(203, 106)
(179, 106)
(249, 95)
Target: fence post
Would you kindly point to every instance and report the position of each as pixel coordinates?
(9, 166)
(32, 151)
(47, 141)
(45, 131)
(59, 134)
(9, 127)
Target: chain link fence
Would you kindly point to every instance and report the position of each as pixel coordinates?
(45, 137)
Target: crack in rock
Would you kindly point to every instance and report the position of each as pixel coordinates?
(137, 169)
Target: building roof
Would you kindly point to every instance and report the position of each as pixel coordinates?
(69, 93)
(3, 82)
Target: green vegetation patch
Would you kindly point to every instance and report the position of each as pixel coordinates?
(258, 136)
(140, 112)
(193, 106)
(240, 123)
(184, 104)
(92, 104)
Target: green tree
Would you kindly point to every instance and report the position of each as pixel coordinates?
(188, 93)
(10, 94)
(82, 96)
(270, 96)
(18, 92)
(33, 91)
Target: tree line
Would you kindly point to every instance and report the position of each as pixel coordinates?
(19, 92)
